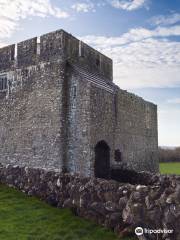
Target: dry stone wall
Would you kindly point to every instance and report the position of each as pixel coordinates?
(119, 206)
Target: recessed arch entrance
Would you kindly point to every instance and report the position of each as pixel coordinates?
(102, 160)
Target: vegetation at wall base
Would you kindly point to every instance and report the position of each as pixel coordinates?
(27, 218)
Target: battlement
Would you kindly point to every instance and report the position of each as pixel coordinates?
(27, 52)
(53, 46)
(7, 55)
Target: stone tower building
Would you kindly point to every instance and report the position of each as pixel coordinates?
(59, 109)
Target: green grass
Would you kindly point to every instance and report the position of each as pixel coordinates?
(170, 168)
(27, 218)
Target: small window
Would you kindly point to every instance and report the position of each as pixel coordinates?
(97, 62)
(148, 117)
(3, 83)
(74, 91)
(117, 155)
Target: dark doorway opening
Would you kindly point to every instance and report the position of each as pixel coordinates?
(102, 160)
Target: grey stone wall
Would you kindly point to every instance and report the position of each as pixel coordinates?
(136, 131)
(119, 206)
(60, 43)
(60, 102)
(90, 119)
(7, 57)
(78, 157)
(102, 123)
(51, 46)
(31, 122)
(77, 52)
(27, 52)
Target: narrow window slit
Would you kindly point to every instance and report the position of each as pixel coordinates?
(3, 82)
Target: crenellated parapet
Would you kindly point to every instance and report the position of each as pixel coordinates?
(82, 54)
(27, 52)
(54, 46)
(7, 57)
(51, 46)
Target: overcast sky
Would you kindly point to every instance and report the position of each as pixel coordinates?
(141, 36)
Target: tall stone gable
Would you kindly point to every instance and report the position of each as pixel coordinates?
(59, 109)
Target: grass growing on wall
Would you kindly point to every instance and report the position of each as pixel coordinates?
(170, 168)
(27, 218)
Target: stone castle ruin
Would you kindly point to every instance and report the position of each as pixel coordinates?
(63, 121)
(61, 110)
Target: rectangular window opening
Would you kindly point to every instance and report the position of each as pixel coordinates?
(3, 83)
(74, 91)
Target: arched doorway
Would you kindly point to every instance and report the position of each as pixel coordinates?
(102, 160)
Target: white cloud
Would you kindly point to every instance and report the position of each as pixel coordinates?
(12, 11)
(165, 20)
(128, 5)
(174, 100)
(140, 58)
(134, 35)
(83, 7)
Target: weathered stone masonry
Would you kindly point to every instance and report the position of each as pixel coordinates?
(59, 109)
(119, 206)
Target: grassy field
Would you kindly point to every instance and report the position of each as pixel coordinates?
(170, 168)
(27, 218)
